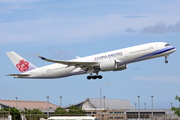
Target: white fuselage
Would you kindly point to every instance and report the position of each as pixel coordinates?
(122, 56)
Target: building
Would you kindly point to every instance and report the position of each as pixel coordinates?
(21, 104)
(146, 113)
(103, 109)
(103, 104)
(111, 109)
(108, 109)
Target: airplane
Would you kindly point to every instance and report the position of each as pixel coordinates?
(116, 60)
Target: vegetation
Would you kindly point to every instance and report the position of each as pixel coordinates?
(176, 109)
(14, 112)
(4, 113)
(76, 111)
(34, 114)
(60, 111)
(34, 111)
(72, 111)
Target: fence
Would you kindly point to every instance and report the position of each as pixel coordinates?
(111, 117)
(4, 115)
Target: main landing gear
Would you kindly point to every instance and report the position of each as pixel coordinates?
(166, 61)
(94, 76)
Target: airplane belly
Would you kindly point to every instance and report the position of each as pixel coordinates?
(59, 72)
(66, 72)
(50, 72)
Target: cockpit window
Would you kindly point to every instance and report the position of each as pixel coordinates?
(167, 45)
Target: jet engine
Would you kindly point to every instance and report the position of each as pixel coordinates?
(108, 65)
(121, 67)
(111, 65)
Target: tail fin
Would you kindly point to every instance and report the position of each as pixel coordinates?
(20, 63)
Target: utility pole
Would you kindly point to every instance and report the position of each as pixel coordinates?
(138, 107)
(16, 101)
(152, 104)
(60, 101)
(47, 107)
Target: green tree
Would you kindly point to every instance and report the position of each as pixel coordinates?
(34, 111)
(60, 111)
(76, 111)
(176, 109)
(34, 114)
(14, 112)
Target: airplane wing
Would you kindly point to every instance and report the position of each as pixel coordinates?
(20, 75)
(72, 63)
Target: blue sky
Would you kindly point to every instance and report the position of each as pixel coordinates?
(66, 29)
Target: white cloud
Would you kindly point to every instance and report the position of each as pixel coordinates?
(18, 1)
(174, 79)
(57, 53)
(161, 28)
(54, 25)
(135, 16)
(67, 29)
(130, 30)
(12, 7)
(58, 28)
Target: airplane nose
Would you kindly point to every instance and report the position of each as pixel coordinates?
(174, 49)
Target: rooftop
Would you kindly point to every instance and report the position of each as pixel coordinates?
(94, 104)
(21, 104)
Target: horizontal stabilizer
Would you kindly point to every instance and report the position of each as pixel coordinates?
(20, 75)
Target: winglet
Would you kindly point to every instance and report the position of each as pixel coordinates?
(43, 58)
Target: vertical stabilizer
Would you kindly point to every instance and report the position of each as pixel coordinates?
(20, 63)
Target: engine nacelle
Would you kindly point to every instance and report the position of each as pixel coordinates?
(121, 67)
(111, 65)
(108, 65)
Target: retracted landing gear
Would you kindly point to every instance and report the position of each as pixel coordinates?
(166, 61)
(94, 76)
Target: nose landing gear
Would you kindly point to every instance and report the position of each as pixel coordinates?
(166, 61)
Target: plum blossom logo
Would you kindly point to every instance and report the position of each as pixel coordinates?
(22, 65)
